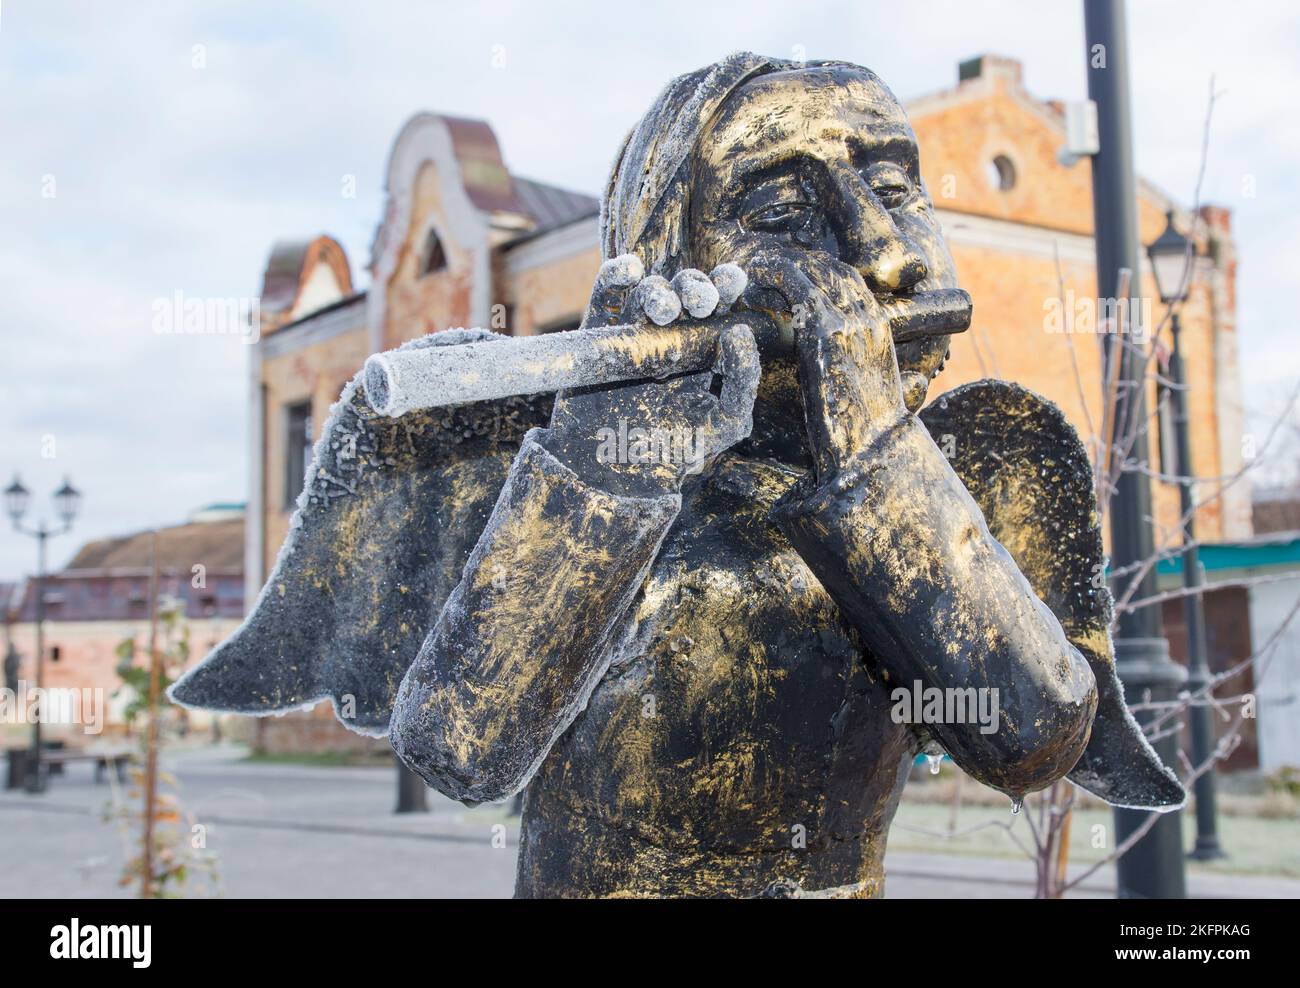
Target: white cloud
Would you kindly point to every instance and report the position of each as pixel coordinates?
(171, 177)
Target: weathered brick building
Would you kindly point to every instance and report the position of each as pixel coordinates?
(463, 242)
(101, 598)
(1020, 227)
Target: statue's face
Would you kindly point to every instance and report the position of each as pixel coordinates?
(822, 159)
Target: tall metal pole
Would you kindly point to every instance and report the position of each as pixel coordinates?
(1207, 836)
(151, 738)
(35, 775)
(412, 793)
(1153, 868)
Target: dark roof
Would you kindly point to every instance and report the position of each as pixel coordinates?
(551, 207)
(283, 270)
(342, 303)
(109, 579)
(217, 545)
(9, 600)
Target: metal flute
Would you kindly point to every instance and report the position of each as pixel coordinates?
(411, 378)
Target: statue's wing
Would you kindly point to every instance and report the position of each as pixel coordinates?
(1026, 468)
(389, 515)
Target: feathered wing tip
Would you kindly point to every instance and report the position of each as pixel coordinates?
(381, 533)
(1119, 764)
(1024, 465)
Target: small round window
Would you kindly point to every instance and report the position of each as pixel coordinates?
(1002, 173)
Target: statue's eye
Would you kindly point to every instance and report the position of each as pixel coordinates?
(890, 184)
(891, 195)
(779, 216)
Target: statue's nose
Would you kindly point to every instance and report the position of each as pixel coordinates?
(872, 243)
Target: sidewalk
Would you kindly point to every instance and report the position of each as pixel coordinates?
(305, 832)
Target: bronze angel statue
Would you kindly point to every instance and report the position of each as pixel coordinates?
(686, 660)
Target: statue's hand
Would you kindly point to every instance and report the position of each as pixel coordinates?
(848, 372)
(643, 439)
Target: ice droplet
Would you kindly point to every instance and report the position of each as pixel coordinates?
(935, 761)
(1016, 804)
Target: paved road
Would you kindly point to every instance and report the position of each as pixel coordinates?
(302, 832)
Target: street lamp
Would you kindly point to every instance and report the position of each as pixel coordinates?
(67, 501)
(1171, 255)
(16, 498)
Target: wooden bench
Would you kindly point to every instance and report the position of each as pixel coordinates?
(117, 758)
(55, 759)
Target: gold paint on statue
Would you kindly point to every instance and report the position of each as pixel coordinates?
(693, 673)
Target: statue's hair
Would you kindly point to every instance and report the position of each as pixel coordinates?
(646, 199)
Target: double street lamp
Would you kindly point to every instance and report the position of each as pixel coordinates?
(1171, 260)
(67, 501)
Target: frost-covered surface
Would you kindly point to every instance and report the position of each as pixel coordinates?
(622, 271)
(698, 294)
(476, 736)
(381, 531)
(730, 281)
(654, 297)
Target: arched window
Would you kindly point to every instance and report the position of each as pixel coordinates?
(1001, 173)
(432, 256)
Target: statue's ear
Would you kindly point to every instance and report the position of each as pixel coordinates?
(391, 510)
(1024, 465)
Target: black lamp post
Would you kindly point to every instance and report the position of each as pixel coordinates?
(67, 499)
(1153, 867)
(1171, 259)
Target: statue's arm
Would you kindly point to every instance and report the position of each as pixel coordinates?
(527, 633)
(1002, 438)
(893, 535)
(905, 552)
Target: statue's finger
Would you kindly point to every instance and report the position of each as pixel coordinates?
(730, 281)
(615, 281)
(738, 366)
(699, 296)
(831, 385)
(653, 298)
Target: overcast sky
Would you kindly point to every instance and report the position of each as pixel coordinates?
(135, 164)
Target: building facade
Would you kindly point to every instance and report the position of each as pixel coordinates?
(101, 598)
(463, 242)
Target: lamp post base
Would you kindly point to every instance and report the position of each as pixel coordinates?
(1153, 867)
(36, 776)
(1207, 849)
